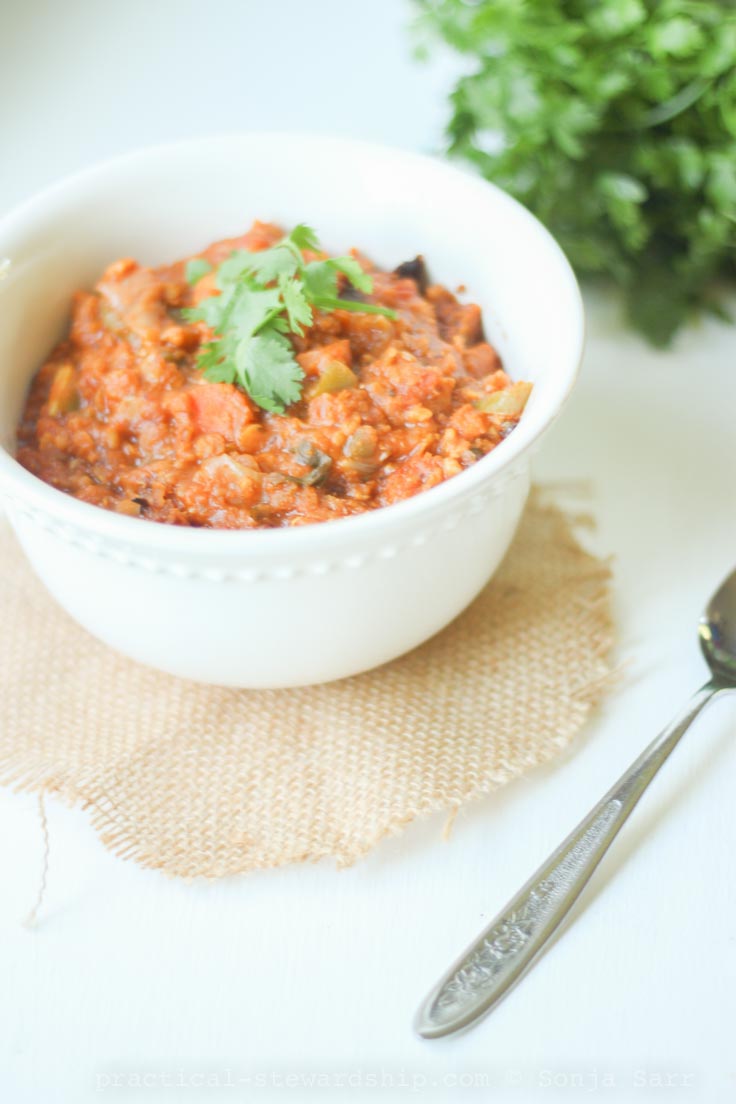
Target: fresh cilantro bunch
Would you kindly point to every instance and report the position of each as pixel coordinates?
(264, 297)
(615, 122)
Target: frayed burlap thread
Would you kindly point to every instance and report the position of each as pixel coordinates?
(204, 781)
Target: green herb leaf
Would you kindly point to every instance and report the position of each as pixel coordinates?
(263, 297)
(320, 279)
(304, 237)
(265, 266)
(615, 122)
(252, 308)
(296, 304)
(355, 274)
(333, 303)
(196, 269)
(267, 370)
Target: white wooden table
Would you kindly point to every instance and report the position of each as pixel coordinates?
(263, 985)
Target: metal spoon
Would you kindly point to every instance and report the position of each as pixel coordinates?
(512, 942)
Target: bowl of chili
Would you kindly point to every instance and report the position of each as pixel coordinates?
(254, 459)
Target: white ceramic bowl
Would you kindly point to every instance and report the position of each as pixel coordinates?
(288, 606)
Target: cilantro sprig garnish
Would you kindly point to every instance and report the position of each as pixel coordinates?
(264, 297)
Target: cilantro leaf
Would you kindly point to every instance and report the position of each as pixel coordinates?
(320, 279)
(216, 365)
(266, 265)
(196, 269)
(209, 310)
(304, 237)
(355, 274)
(296, 304)
(332, 303)
(253, 308)
(267, 370)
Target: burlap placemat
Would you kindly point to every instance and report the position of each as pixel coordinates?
(195, 780)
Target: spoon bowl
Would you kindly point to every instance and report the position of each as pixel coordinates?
(717, 631)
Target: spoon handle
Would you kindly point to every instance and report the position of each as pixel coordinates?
(509, 945)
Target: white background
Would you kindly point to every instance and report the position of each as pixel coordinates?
(310, 971)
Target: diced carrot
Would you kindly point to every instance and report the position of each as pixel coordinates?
(221, 408)
(314, 361)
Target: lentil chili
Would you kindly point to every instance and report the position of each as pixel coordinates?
(121, 416)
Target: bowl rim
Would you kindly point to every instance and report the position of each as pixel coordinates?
(30, 493)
